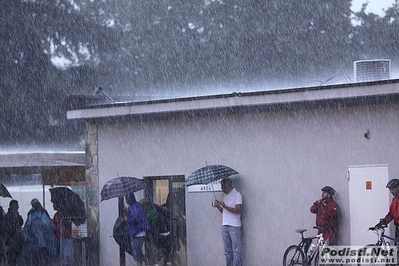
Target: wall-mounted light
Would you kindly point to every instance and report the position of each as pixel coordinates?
(367, 134)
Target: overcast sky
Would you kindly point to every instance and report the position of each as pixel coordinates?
(374, 6)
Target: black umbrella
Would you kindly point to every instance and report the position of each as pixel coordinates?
(4, 192)
(121, 186)
(69, 204)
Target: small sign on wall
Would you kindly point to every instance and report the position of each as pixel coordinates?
(369, 185)
(213, 186)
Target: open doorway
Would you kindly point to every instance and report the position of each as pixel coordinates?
(168, 192)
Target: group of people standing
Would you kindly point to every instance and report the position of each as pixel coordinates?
(39, 241)
(148, 224)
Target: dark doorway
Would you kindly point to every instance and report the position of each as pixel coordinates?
(168, 192)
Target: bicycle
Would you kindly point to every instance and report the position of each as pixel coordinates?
(300, 254)
(383, 240)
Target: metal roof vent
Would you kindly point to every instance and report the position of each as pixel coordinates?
(372, 70)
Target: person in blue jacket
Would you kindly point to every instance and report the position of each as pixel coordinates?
(138, 225)
(40, 247)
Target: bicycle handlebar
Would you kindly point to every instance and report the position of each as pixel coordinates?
(321, 229)
(374, 228)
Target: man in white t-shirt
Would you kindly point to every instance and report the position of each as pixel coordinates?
(231, 208)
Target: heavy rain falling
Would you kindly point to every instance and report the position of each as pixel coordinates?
(116, 51)
(152, 49)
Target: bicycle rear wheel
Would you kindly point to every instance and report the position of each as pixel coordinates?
(294, 256)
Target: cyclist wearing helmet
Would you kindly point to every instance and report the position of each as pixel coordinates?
(326, 210)
(393, 213)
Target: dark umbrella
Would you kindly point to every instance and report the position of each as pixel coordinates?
(121, 186)
(209, 173)
(69, 204)
(118, 188)
(4, 192)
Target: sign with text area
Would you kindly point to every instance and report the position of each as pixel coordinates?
(211, 187)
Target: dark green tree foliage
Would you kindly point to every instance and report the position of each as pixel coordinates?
(32, 97)
(135, 47)
(183, 42)
(377, 37)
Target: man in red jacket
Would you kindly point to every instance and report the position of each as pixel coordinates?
(393, 213)
(326, 210)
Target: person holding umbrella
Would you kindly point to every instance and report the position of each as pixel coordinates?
(69, 209)
(138, 225)
(231, 208)
(63, 236)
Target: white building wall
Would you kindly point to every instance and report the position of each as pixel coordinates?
(284, 159)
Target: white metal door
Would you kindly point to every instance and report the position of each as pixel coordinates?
(368, 201)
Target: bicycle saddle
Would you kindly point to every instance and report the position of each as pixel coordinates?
(300, 231)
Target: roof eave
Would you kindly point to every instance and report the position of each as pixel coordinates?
(289, 96)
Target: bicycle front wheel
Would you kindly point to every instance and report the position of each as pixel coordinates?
(294, 256)
(316, 260)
